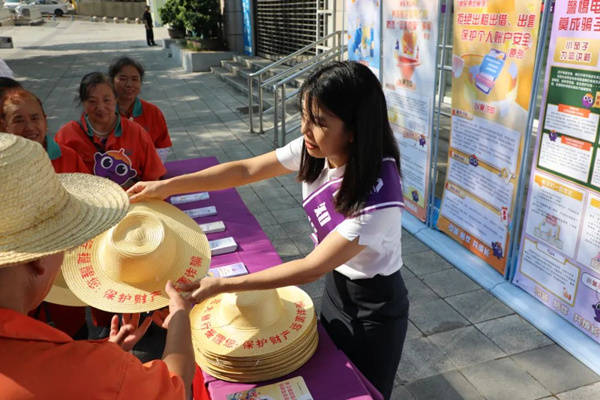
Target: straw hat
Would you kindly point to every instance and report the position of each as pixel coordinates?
(61, 294)
(254, 335)
(125, 269)
(43, 213)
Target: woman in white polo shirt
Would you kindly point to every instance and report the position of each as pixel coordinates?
(349, 166)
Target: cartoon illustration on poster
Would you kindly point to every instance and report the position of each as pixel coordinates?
(559, 259)
(492, 70)
(410, 32)
(364, 32)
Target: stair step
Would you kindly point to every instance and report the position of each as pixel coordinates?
(231, 78)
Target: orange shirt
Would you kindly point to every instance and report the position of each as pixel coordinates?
(64, 159)
(153, 121)
(126, 156)
(40, 362)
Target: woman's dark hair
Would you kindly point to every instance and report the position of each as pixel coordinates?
(352, 92)
(118, 64)
(8, 83)
(90, 81)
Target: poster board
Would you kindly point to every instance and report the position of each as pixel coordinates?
(410, 37)
(559, 257)
(363, 23)
(492, 71)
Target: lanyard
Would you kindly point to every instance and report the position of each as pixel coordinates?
(101, 148)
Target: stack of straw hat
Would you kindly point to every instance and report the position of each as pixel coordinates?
(255, 335)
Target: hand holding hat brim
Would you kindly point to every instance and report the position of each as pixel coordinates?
(126, 268)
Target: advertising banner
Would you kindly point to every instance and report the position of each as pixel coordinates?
(363, 23)
(410, 36)
(492, 70)
(247, 27)
(559, 257)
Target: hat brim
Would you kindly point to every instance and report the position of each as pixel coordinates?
(300, 357)
(83, 272)
(204, 320)
(61, 294)
(94, 205)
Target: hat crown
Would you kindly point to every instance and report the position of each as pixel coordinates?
(139, 249)
(31, 192)
(254, 309)
(138, 234)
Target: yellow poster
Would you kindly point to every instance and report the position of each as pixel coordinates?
(492, 70)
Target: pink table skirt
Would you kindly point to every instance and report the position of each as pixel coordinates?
(328, 374)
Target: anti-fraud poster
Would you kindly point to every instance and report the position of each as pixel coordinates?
(492, 70)
(364, 32)
(559, 258)
(410, 32)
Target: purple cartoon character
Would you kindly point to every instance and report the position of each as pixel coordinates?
(596, 308)
(422, 140)
(497, 249)
(473, 160)
(114, 165)
(415, 196)
(553, 136)
(588, 100)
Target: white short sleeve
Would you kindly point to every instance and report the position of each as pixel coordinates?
(371, 228)
(290, 155)
(381, 233)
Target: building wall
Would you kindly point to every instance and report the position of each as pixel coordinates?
(111, 9)
(233, 24)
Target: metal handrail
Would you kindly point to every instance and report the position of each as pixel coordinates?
(258, 75)
(292, 55)
(334, 54)
(309, 62)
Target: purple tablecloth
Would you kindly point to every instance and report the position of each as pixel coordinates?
(328, 374)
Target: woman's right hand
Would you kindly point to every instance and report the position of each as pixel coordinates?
(148, 190)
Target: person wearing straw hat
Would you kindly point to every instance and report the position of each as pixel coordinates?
(349, 165)
(43, 214)
(22, 114)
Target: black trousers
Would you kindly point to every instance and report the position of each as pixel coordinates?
(150, 37)
(367, 319)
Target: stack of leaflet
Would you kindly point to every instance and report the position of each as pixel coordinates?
(256, 335)
(217, 246)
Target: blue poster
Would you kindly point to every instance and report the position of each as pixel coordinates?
(247, 27)
(364, 32)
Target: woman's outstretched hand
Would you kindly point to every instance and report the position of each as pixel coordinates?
(200, 290)
(148, 190)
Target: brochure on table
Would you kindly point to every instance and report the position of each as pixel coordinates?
(410, 36)
(559, 260)
(492, 70)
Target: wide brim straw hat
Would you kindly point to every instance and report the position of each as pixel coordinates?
(44, 213)
(257, 373)
(61, 294)
(256, 335)
(252, 324)
(126, 268)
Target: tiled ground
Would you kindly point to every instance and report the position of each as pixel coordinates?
(462, 343)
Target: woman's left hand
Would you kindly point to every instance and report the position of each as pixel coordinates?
(130, 332)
